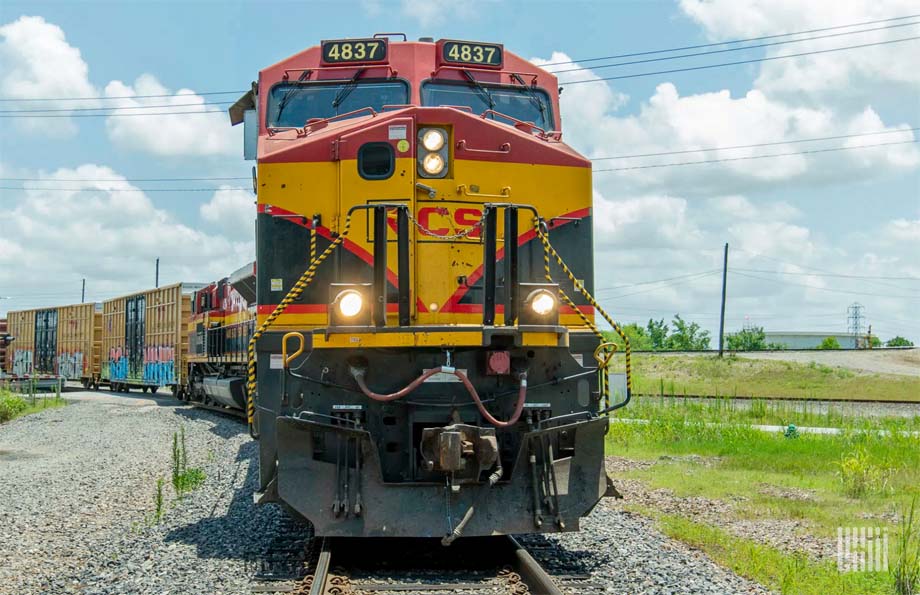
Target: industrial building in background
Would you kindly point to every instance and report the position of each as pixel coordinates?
(813, 340)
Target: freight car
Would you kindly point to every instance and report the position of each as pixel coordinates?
(55, 345)
(145, 338)
(426, 360)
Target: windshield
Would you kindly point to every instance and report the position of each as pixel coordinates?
(290, 105)
(524, 103)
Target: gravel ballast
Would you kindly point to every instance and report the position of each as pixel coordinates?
(77, 489)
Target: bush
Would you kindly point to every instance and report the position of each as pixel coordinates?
(899, 341)
(10, 406)
(829, 343)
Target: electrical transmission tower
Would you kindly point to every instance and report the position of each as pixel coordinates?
(855, 322)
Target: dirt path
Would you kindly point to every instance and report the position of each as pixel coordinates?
(905, 362)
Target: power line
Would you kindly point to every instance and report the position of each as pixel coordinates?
(118, 189)
(737, 49)
(770, 144)
(709, 45)
(846, 276)
(26, 99)
(738, 62)
(658, 287)
(114, 115)
(832, 149)
(111, 107)
(844, 291)
(656, 281)
(120, 180)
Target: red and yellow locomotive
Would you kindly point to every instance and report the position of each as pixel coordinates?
(425, 358)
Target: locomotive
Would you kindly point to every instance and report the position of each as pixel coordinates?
(424, 360)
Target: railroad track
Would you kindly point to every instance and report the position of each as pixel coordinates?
(471, 566)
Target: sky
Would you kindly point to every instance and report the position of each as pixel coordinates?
(821, 226)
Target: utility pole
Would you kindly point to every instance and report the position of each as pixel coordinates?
(83, 291)
(722, 314)
(156, 281)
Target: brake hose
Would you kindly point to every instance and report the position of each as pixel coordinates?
(358, 374)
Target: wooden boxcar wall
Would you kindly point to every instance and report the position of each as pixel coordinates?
(144, 336)
(21, 324)
(79, 340)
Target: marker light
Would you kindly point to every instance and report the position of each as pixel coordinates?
(433, 139)
(433, 164)
(349, 303)
(542, 303)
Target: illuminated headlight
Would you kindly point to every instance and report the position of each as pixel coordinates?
(433, 164)
(349, 303)
(433, 139)
(542, 302)
(541, 306)
(433, 152)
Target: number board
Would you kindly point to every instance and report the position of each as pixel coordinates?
(354, 51)
(485, 55)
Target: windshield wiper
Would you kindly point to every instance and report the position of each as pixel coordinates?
(534, 97)
(347, 88)
(289, 93)
(483, 92)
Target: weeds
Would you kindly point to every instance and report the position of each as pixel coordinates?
(11, 406)
(184, 478)
(906, 573)
(859, 475)
(158, 501)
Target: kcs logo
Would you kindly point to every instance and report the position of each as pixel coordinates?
(445, 221)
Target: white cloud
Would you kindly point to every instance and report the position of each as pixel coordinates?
(37, 62)
(668, 121)
(189, 134)
(819, 75)
(108, 233)
(232, 211)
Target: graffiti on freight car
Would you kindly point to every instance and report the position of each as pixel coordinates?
(117, 366)
(160, 365)
(22, 362)
(70, 365)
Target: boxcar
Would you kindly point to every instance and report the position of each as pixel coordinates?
(144, 338)
(55, 344)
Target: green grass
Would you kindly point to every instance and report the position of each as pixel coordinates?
(764, 412)
(734, 376)
(862, 477)
(13, 406)
(781, 572)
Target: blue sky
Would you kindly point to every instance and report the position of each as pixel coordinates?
(802, 219)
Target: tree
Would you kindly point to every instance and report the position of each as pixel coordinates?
(829, 343)
(874, 342)
(638, 339)
(657, 332)
(899, 341)
(687, 336)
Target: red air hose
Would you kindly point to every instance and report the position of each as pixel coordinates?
(518, 407)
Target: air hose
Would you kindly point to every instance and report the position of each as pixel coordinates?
(359, 373)
(295, 292)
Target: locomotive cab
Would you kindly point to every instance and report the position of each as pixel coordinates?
(425, 340)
